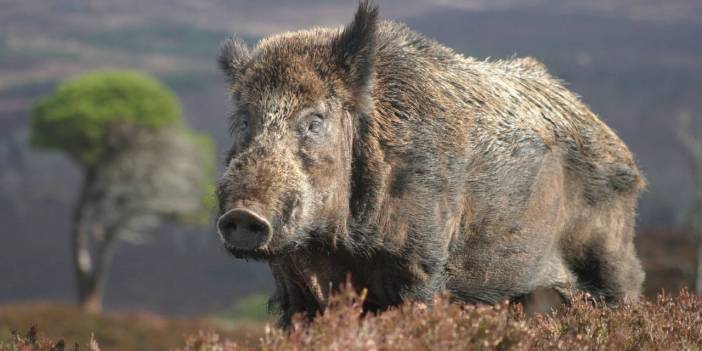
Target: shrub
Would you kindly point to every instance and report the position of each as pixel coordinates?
(672, 323)
(666, 323)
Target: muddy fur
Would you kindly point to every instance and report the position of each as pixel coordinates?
(430, 171)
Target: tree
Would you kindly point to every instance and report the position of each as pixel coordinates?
(690, 134)
(141, 165)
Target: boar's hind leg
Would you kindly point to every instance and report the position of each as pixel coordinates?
(607, 265)
(614, 275)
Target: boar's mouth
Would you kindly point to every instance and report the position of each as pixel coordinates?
(247, 232)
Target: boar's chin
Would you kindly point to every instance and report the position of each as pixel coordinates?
(257, 254)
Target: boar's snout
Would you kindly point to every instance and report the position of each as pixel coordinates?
(244, 229)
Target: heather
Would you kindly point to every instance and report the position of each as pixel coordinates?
(666, 322)
(671, 322)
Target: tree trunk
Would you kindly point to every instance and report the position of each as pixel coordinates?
(91, 300)
(92, 282)
(89, 296)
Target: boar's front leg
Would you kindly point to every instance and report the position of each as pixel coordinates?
(392, 280)
(292, 295)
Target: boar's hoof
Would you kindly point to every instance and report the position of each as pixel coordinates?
(244, 229)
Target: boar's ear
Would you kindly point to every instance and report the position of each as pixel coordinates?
(233, 56)
(354, 51)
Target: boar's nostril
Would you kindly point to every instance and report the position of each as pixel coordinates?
(244, 229)
(256, 227)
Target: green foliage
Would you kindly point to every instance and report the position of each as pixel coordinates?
(77, 116)
(252, 307)
(206, 147)
(86, 113)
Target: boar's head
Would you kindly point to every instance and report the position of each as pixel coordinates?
(296, 99)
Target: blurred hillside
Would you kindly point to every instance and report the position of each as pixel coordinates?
(638, 64)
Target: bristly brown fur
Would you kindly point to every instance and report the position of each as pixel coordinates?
(431, 171)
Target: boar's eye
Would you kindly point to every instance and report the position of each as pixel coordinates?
(314, 124)
(243, 124)
(239, 124)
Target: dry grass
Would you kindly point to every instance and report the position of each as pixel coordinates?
(113, 331)
(670, 323)
(667, 322)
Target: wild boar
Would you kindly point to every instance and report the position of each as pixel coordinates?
(375, 152)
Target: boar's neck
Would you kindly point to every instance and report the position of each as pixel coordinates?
(406, 147)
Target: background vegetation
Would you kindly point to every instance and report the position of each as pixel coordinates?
(141, 165)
